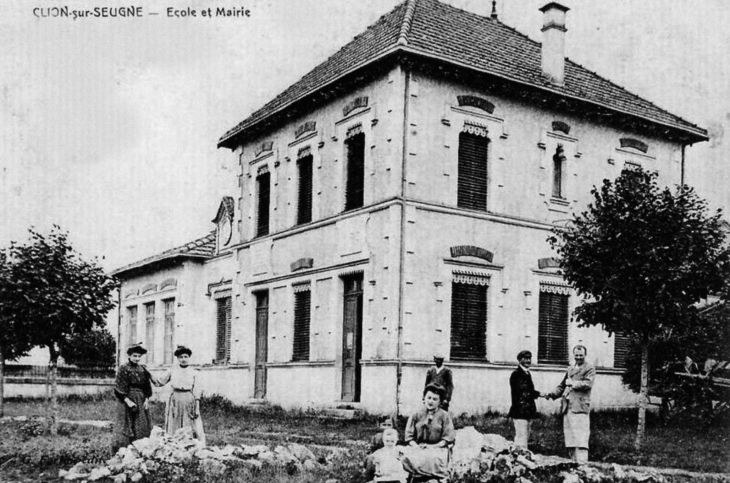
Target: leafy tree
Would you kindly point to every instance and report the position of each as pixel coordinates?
(95, 348)
(63, 296)
(642, 256)
(14, 338)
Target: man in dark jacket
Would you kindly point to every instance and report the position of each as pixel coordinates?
(523, 398)
(441, 376)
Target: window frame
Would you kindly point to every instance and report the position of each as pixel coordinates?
(305, 191)
(464, 180)
(549, 344)
(459, 345)
(357, 200)
(302, 323)
(261, 228)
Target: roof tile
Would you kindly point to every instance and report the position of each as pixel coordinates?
(453, 35)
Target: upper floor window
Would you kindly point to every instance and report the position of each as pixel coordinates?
(355, 182)
(263, 187)
(558, 173)
(472, 170)
(304, 201)
(552, 332)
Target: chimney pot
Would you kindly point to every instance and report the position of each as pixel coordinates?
(553, 42)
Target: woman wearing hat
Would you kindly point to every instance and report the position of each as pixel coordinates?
(183, 407)
(429, 433)
(133, 390)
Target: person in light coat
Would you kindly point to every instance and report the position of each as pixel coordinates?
(574, 392)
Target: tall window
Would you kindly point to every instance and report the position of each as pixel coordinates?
(223, 330)
(304, 201)
(472, 171)
(620, 349)
(169, 328)
(132, 326)
(149, 310)
(469, 317)
(558, 166)
(263, 187)
(552, 337)
(354, 188)
(302, 317)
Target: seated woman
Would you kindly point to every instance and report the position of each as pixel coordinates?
(183, 407)
(429, 433)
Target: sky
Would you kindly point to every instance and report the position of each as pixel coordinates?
(108, 126)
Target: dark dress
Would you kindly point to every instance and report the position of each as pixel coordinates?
(523, 395)
(133, 382)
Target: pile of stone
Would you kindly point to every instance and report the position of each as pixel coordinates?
(492, 458)
(148, 455)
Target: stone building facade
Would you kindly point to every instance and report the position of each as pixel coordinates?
(396, 202)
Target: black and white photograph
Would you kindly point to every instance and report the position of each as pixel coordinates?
(414, 241)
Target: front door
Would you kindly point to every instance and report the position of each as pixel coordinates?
(262, 332)
(352, 338)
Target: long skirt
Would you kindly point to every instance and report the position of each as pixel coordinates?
(131, 423)
(431, 462)
(179, 414)
(577, 429)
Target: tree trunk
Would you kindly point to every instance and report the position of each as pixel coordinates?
(2, 382)
(52, 414)
(643, 398)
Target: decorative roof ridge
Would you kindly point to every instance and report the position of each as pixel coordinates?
(405, 27)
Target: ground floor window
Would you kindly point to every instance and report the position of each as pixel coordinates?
(552, 341)
(620, 349)
(131, 325)
(223, 330)
(149, 310)
(469, 316)
(302, 317)
(169, 328)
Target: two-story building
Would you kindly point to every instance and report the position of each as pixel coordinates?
(395, 202)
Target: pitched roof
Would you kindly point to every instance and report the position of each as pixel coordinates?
(203, 248)
(439, 31)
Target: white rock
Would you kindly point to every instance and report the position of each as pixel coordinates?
(99, 473)
(301, 452)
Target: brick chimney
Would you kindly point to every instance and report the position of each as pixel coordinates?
(553, 42)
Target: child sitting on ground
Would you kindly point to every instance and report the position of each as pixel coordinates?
(376, 442)
(386, 460)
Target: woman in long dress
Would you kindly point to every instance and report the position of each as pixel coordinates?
(429, 433)
(183, 406)
(132, 390)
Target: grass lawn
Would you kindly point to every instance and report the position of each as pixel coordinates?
(25, 453)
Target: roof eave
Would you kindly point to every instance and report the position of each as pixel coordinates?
(151, 261)
(230, 141)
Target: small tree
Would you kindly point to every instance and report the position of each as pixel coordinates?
(14, 338)
(643, 256)
(94, 348)
(62, 296)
